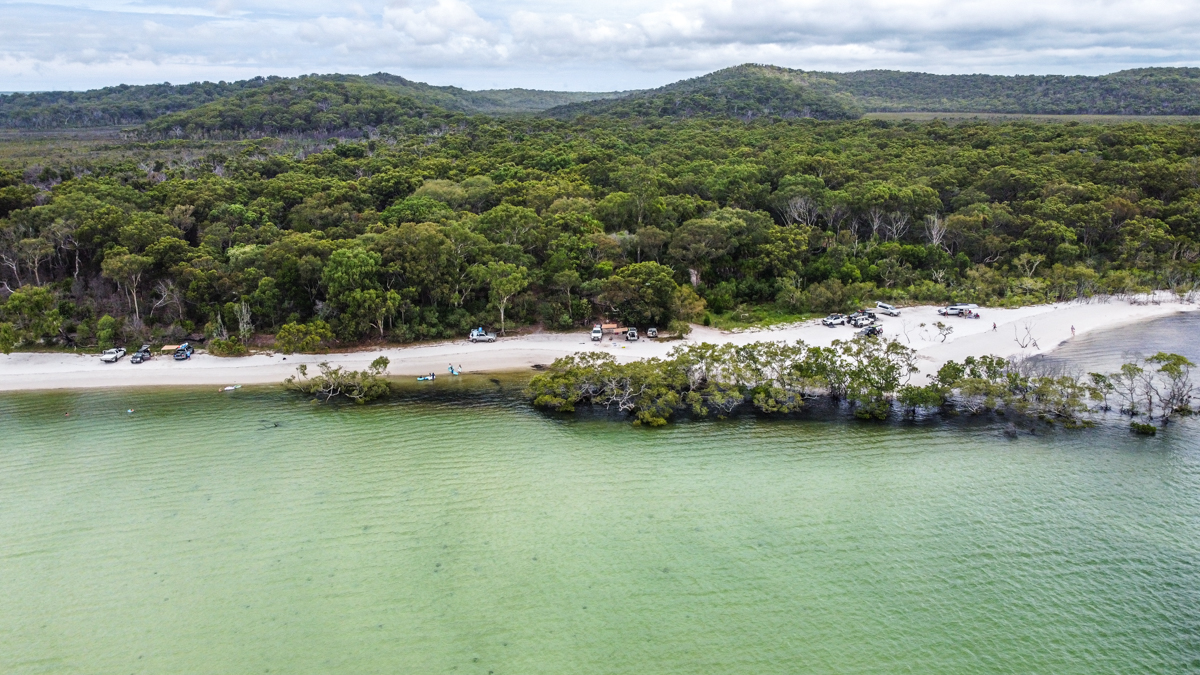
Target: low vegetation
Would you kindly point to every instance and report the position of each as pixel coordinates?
(333, 383)
(869, 375)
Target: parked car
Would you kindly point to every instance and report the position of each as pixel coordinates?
(141, 355)
(651, 332)
(112, 355)
(958, 310)
(860, 320)
(631, 335)
(871, 331)
(885, 308)
(834, 320)
(597, 333)
(480, 335)
(184, 352)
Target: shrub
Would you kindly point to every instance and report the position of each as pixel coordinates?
(1143, 429)
(358, 386)
(302, 337)
(106, 331)
(231, 346)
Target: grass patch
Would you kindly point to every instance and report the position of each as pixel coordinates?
(755, 316)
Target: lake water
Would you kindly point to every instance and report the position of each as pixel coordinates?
(460, 532)
(1105, 351)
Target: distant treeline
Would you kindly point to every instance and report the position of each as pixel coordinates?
(316, 104)
(1144, 91)
(135, 105)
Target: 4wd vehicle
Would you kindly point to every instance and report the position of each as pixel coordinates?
(957, 310)
(480, 335)
(860, 320)
(834, 320)
(871, 331)
(184, 352)
(651, 332)
(141, 355)
(112, 355)
(885, 308)
(597, 333)
(631, 335)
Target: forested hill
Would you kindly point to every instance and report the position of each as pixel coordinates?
(749, 91)
(132, 105)
(744, 92)
(336, 103)
(1145, 91)
(301, 106)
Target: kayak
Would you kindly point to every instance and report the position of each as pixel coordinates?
(236, 386)
(453, 371)
(422, 379)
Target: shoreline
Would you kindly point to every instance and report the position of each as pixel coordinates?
(1047, 325)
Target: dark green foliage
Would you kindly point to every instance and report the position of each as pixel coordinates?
(750, 91)
(413, 236)
(743, 92)
(112, 106)
(716, 380)
(1142, 91)
(230, 346)
(301, 106)
(333, 383)
(348, 103)
(1143, 429)
(870, 374)
(29, 315)
(295, 337)
(130, 105)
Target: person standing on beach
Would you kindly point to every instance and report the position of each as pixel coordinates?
(1072, 331)
(993, 325)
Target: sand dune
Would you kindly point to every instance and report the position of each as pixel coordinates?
(1021, 331)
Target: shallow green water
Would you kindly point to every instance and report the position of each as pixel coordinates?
(253, 532)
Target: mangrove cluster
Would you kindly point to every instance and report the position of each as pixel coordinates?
(873, 377)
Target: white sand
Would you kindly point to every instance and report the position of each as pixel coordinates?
(1049, 325)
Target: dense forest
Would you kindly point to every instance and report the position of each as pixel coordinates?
(424, 231)
(274, 105)
(744, 92)
(135, 105)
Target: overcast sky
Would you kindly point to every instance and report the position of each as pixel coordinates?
(576, 44)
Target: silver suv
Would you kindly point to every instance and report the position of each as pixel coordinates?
(884, 308)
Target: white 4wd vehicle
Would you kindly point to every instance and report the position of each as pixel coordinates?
(834, 320)
(597, 333)
(112, 355)
(957, 310)
(884, 308)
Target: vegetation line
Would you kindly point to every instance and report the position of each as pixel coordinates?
(871, 375)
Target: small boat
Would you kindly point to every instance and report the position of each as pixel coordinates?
(236, 386)
(424, 378)
(453, 371)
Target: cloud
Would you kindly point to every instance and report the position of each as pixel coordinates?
(618, 44)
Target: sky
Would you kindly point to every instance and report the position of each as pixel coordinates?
(579, 45)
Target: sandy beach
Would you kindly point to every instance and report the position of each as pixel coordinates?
(1039, 328)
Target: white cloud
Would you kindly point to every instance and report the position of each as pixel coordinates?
(617, 44)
